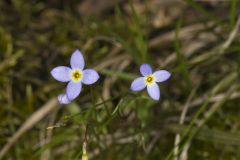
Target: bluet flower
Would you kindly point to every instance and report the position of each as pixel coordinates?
(75, 76)
(63, 99)
(149, 80)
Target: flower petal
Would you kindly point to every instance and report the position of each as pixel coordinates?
(73, 90)
(161, 75)
(145, 69)
(138, 84)
(153, 91)
(90, 76)
(77, 60)
(61, 73)
(62, 98)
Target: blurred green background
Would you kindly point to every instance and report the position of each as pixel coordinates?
(197, 117)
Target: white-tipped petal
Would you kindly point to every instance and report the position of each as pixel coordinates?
(154, 91)
(61, 73)
(138, 84)
(77, 60)
(161, 75)
(62, 98)
(145, 69)
(73, 89)
(90, 76)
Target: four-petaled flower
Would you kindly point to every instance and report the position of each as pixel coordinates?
(149, 80)
(75, 76)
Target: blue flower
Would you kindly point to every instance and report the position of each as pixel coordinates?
(75, 76)
(149, 80)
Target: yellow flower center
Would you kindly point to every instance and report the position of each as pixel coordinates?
(149, 79)
(77, 75)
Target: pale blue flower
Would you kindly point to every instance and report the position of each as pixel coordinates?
(75, 76)
(63, 99)
(149, 80)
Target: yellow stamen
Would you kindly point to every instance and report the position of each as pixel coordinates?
(149, 79)
(76, 75)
